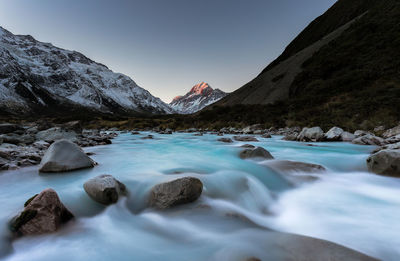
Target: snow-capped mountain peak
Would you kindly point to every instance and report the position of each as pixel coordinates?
(37, 77)
(200, 96)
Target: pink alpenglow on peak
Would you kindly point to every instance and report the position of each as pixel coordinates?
(200, 96)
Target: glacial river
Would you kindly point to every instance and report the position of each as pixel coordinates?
(241, 200)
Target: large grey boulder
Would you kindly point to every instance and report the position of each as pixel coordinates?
(347, 136)
(385, 162)
(360, 133)
(294, 166)
(104, 189)
(62, 156)
(311, 134)
(334, 134)
(56, 133)
(391, 132)
(369, 139)
(176, 192)
(255, 153)
(43, 213)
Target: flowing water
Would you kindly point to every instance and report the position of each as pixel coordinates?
(242, 200)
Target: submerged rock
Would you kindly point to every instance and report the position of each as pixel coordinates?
(385, 162)
(43, 213)
(248, 146)
(104, 189)
(245, 138)
(334, 134)
(148, 137)
(258, 152)
(176, 192)
(290, 247)
(292, 166)
(226, 140)
(62, 156)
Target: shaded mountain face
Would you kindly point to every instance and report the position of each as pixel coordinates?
(40, 79)
(342, 69)
(200, 96)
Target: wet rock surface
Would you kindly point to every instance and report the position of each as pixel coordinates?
(255, 153)
(23, 146)
(176, 192)
(43, 213)
(104, 189)
(63, 156)
(385, 162)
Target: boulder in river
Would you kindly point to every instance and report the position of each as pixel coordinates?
(266, 136)
(369, 139)
(294, 166)
(245, 138)
(347, 136)
(334, 134)
(258, 152)
(226, 140)
(176, 192)
(64, 155)
(311, 134)
(43, 213)
(385, 162)
(104, 189)
(56, 133)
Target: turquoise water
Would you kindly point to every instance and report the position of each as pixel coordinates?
(241, 200)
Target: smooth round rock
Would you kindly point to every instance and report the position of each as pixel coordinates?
(62, 156)
(177, 192)
(104, 189)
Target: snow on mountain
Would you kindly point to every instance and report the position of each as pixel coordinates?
(200, 96)
(37, 77)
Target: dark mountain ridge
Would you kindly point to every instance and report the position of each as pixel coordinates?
(343, 69)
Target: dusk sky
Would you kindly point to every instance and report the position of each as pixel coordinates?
(167, 46)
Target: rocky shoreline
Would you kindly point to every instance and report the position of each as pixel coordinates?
(25, 145)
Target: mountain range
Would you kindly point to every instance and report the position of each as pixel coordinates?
(38, 78)
(200, 96)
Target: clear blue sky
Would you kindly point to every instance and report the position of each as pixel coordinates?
(167, 46)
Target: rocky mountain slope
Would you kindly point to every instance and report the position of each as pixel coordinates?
(200, 96)
(342, 69)
(40, 79)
